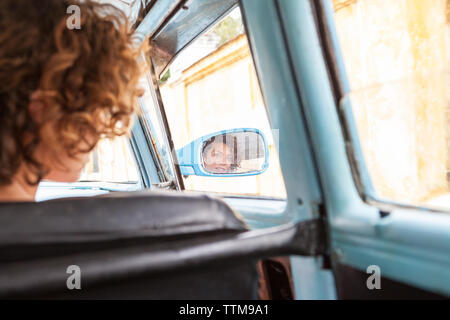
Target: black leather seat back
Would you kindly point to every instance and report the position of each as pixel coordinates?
(145, 245)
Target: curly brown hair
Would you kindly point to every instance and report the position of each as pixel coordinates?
(88, 78)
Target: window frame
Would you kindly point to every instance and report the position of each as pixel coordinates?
(160, 103)
(163, 168)
(408, 243)
(341, 90)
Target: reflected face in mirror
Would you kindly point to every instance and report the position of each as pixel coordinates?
(234, 153)
(217, 157)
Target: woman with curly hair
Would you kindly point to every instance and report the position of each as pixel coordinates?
(61, 90)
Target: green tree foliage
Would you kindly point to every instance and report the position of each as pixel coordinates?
(165, 77)
(228, 29)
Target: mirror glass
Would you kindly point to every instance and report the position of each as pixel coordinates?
(234, 153)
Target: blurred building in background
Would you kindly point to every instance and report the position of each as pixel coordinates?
(397, 58)
(220, 91)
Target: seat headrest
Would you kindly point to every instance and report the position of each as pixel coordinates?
(114, 216)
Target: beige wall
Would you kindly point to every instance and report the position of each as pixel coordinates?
(221, 92)
(395, 54)
(112, 161)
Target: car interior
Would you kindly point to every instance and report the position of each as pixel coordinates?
(128, 246)
(146, 245)
(160, 241)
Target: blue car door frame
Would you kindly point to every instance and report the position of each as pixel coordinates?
(410, 246)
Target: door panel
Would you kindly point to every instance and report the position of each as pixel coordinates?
(350, 284)
(279, 87)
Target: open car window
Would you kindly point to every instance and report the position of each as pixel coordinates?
(397, 57)
(111, 167)
(212, 86)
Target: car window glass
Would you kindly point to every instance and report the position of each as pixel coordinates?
(397, 56)
(212, 86)
(111, 161)
(111, 167)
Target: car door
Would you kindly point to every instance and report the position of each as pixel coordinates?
(301, 200)
(380, 247)
(381, 242)
(403, 179)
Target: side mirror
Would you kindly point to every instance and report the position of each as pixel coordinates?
(228, 153)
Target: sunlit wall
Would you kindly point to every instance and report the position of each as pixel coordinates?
(396, 54)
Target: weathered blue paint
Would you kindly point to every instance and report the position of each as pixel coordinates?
(185, 26)
(410, 246)
(344, 105)
(160, 11)
(278, 84)
(148, 170)
(259, 212)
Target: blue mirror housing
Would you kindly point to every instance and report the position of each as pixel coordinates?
(228, 153)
